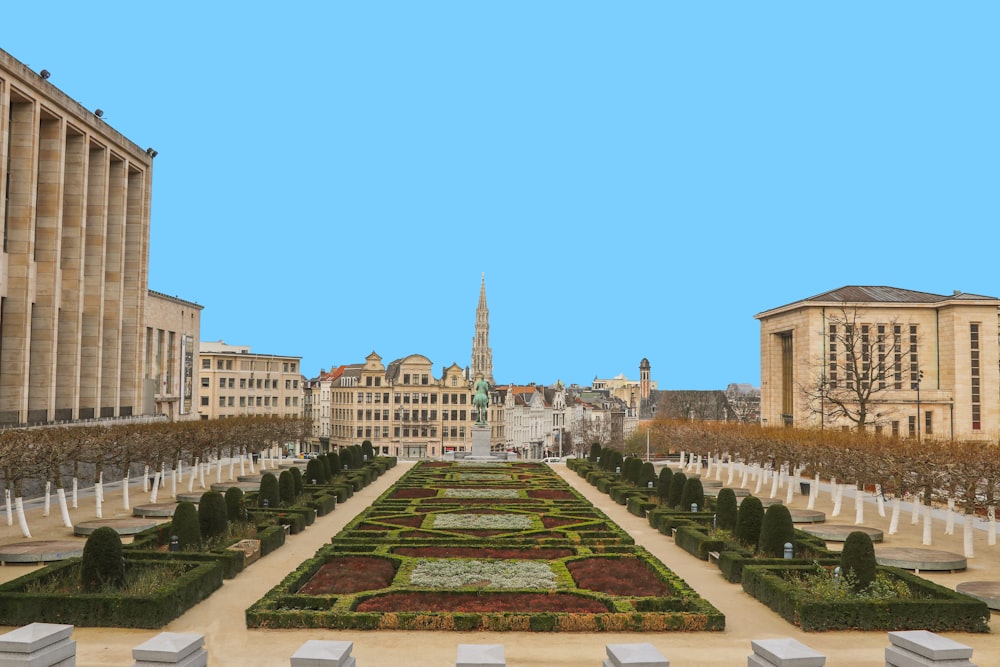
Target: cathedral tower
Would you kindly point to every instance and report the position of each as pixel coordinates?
(482, 355)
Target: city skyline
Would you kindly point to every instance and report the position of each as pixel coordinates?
(634, 182)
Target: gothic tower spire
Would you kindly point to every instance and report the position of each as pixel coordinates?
(482, 355)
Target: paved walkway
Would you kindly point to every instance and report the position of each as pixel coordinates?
(229, 642)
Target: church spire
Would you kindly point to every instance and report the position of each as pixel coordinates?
(482, 355)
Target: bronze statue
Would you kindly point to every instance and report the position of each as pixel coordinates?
(481, 401)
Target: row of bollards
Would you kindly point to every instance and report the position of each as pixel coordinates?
(49, 645)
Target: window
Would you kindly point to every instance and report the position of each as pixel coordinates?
(243, 383)
(928, 423)
(368, 381)
(229, 364)
(975, 378)
(444, 399)
(406, 378)
(219, 365)
(288, 384)
(205, 382)
(230, 401)
(206, 363)
(222, 401)
(243, 401)
(204, 401)
(912, 425)
(232, 383)
(222, 383)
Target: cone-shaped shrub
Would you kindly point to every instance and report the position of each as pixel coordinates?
(663, 484)
(268, 490)
(185, 526)
(858, 557)
(595, 452)
(103, 564)
(692, 494)
(676, 488)
(776, 529)
(212, 512)
(748, 520)
(286, 488)
(725, 510)
(647, 474)
(367, 450)
(333, 465)
(296, 480)
(236, 511)
(314, 471)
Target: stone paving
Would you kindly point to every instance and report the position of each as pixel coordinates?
(228, 642)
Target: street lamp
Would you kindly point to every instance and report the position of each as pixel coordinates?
(920, 376)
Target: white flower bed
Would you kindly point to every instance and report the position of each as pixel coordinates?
(482, 521)
(486, 574)
(481, 493)
(483, 476)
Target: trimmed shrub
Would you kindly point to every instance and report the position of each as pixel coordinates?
(296, 480)
(725, 510)
(692, 494)
(677, 482)
(212, 510)
(647, 474)
(236, 510)
(776, 529)
(595, 452)
(748, 520)
(186, 526)
(858, 557)
(663, 484)
(333, 465)
(314, 471)
(103, 562)
(268, 490)
(286, 488)
(367, 451)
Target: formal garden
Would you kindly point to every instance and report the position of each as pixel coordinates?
(484, 546)
(789, 570)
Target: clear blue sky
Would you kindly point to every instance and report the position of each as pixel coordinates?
(635, 179)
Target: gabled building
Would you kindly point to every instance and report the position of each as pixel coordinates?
(533, 419)
(920, 364)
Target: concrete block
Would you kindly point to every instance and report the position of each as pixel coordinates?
(183, 649)
(634, 655)
(324, 653)
(929, 645)
(38, 645)
(784, 652)
(480, 655)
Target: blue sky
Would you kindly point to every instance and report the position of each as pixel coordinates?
(635, 179)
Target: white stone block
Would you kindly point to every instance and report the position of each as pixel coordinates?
(786, 652)
(635, 655)
(171, 648)
(929, 645)
(323, 653)
(480, 655)
(38, 645)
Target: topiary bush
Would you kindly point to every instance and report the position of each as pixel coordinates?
(726, 509)
(103, 563)
(268, 490)
(314, 471)
(186, 526)
(296, 480)
(367, 451)
(663, 485)
(692, 494)
(286, 488)
(332, 465)
(676, 489)
(647, 474)
(236, 510)
(212, 515)
(595, 452)
(776, 529)
(858, 560)
(748, 520)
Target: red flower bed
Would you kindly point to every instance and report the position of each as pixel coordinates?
(557, 521)
(409, 521)
(476, 552)
(617, 576)
(475, 501)
(550, 494)
(407, 493)
(484, 603)
(350, 574)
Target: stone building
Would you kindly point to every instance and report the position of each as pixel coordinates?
(235, 381)
(173, 337)
(923, 364)
(75, 202)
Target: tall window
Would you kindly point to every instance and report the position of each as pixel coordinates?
(832, 368)
(975, 380)
(914, 361)
(897, 359)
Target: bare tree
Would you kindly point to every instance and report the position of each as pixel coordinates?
(861, 362)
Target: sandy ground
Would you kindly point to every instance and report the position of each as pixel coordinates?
(229, 642)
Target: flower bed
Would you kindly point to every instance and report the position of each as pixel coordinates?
(471, 556)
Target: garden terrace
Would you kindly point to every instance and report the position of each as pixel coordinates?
(529, 555)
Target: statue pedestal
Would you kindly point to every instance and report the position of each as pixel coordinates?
(480, 441)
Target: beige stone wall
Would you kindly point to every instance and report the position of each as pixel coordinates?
(233, 381)
(944, 355)
(72, 301)
(171, 340)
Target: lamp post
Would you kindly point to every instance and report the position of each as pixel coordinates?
(920, 376)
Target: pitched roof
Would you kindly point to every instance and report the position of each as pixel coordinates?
(881, 294)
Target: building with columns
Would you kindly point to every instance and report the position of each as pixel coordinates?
(75, 203)
(929, 364)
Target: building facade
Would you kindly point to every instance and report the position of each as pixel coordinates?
(482, 353)
(235, 381)
(169, 372)
(925, 365)
(75, 203)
